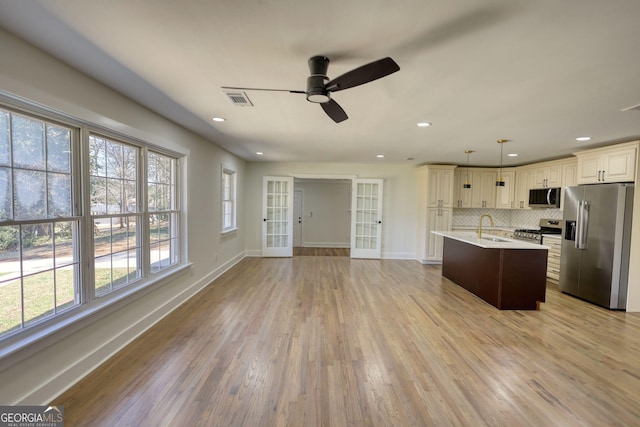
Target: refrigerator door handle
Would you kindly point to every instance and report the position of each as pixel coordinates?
(576, 242)
(583, 221)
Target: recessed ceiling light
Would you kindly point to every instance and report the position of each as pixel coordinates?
(424, 124)
(218, 119)
(583, 138)
(259, 153)
(512, 155)
(380, 156)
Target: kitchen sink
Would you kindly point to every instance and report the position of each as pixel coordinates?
(494, 239)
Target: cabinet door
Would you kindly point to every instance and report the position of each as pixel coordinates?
(522, 190)
(554, 176)
(505, 195)
(539, 177)
(440, 188)
(588, 168)
(446, 188)
(619, 165)
(483, 189)
(489, 189)
(569, 174)
(433, 189)
(438, 220)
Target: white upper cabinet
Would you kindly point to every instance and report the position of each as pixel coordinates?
(524, 179)
(440, 187)
(483, 188)
(505, 196)
(461, 195)
(548, 176)
(608, 164)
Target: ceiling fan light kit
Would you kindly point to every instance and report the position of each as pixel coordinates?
(319, 87)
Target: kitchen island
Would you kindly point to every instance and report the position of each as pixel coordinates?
(508, 274)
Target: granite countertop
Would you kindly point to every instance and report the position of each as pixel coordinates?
(489, 241)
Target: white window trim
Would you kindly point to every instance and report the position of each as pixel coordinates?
(19, 346)
(226, 170)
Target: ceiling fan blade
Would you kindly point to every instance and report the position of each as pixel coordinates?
(334, 111)
(364, 74)
(262, 89)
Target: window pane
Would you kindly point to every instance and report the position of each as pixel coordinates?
(130, 196)
(10, 305)
(37, 248)
(28, 142)
(6, 193)
(65, 288)
(98, 196)
(9, 253)
(30, 194)
(5, 147)
(130, 163)
(63, 243)
(102, 268)
(58, 149)
(117, 253)
(59, 194)
(38, 296)
(115, 160)
(152, 197)
(114, 196)
(97, 156)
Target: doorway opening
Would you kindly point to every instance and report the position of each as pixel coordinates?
(322, 216)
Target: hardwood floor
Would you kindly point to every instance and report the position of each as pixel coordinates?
(311, 341)
(300, 251)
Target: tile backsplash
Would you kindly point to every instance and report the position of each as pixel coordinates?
(511, 218)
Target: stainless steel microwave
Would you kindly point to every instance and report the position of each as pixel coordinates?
(544, 197)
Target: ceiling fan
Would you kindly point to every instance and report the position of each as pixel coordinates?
(319, 87)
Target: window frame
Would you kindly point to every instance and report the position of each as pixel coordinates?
(24, 341)
(227, 171)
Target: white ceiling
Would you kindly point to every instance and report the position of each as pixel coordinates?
(537, 72)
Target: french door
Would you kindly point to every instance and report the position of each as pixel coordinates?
(366, 218)
(277, 216)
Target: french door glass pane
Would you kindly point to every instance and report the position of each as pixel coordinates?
(366, 215)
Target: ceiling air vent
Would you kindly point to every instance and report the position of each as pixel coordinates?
(634, 108)
(239, 98)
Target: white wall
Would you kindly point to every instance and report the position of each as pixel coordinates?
(399, 208)
(28, 73)
(326, 213)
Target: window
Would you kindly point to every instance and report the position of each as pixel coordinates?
(80, 218)
(164, 216)
(39, 262)
(115, 213)
(228, 200)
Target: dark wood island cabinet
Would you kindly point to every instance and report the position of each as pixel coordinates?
(508, 274)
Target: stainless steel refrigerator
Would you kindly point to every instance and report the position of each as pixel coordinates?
(594, 262)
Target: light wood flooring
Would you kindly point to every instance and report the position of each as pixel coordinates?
(311, 341)
(300, 251)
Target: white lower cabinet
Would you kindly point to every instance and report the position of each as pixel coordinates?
(438, 219)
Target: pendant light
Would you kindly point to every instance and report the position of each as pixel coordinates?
(500, 181)
(467, 184)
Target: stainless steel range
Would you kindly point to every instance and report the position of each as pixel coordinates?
(547, 226)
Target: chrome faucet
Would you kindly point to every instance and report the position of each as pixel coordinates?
(480, 224)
